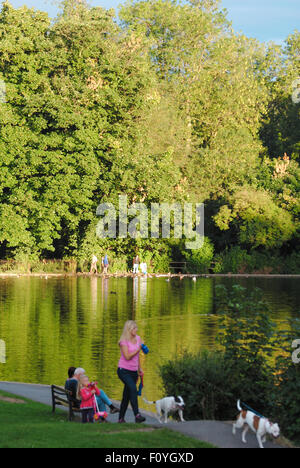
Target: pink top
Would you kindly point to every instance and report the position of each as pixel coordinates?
(133, 363)
(87, 399)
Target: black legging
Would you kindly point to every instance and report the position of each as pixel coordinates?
(129, 378)
(87, 415)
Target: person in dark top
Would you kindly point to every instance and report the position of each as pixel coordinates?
(71, 386)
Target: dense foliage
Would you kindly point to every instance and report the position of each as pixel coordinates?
(167, 105)
(253, 363)
(212, 382)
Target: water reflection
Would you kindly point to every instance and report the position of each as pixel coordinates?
(49, 325)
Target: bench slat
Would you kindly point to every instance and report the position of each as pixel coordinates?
(59, 390)
(61, 401)
(60, 398)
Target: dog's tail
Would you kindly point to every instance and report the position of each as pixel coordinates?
(149, 402)
(239, 405)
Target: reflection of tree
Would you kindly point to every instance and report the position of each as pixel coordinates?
(51, 325)
(94, 292)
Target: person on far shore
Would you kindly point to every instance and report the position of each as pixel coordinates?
(105, 264)
(129, 369)
(136, 263)
(94, 265)
(144, 268)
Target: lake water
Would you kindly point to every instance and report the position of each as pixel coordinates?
(50, 325)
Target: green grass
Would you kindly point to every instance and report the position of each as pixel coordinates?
(32, 425)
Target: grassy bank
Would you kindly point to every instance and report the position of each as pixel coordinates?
(27, 424)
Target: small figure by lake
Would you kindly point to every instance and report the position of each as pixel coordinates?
(94, 265)
(136, 264)
(105, 264)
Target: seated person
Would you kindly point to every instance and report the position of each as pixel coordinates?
(72, 386)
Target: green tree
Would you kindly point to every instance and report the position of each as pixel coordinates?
(260, 222)
(211, 76)
(280, 130)
(71, 130)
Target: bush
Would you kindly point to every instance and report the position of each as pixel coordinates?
(161, 263)
(248, 338)
(286, 391)
(231, 260)
(199, 260)
(202, 381)
(287, 401)
(211, 383)
(238, 260)
(292, 264)
(54, 266)
(118, 265)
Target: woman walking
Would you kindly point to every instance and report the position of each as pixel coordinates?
(129, 369)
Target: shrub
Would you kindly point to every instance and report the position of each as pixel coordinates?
(286, 391)
(211, 382)
(199, 260)
(231, 260)
(247, 336)
(238, 260)
(118, 265)
(287, 401)
(292, 264)
(202, 381)
(54, 266)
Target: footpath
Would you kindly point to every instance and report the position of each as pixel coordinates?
(215, 432)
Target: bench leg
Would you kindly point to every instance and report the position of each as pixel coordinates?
(71, 414)
(53, 401)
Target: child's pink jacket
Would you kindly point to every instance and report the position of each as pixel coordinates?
(87, 398)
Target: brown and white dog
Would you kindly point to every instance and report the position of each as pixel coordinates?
(261, 426)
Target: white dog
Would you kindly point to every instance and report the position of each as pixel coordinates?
(261, 426)
(168, 405)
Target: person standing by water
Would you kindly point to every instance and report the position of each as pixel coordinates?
(105, 264)
(129, 369)
(136, 263)
(94, 265)
(144, 268)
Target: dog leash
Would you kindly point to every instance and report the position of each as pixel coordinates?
(253, 411)
(141, 385)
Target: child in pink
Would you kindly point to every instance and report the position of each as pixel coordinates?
(87, 395)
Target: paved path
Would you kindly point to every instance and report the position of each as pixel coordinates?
(215, 432)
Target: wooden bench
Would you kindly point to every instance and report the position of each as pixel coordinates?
(60, 397)
(178, 267)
